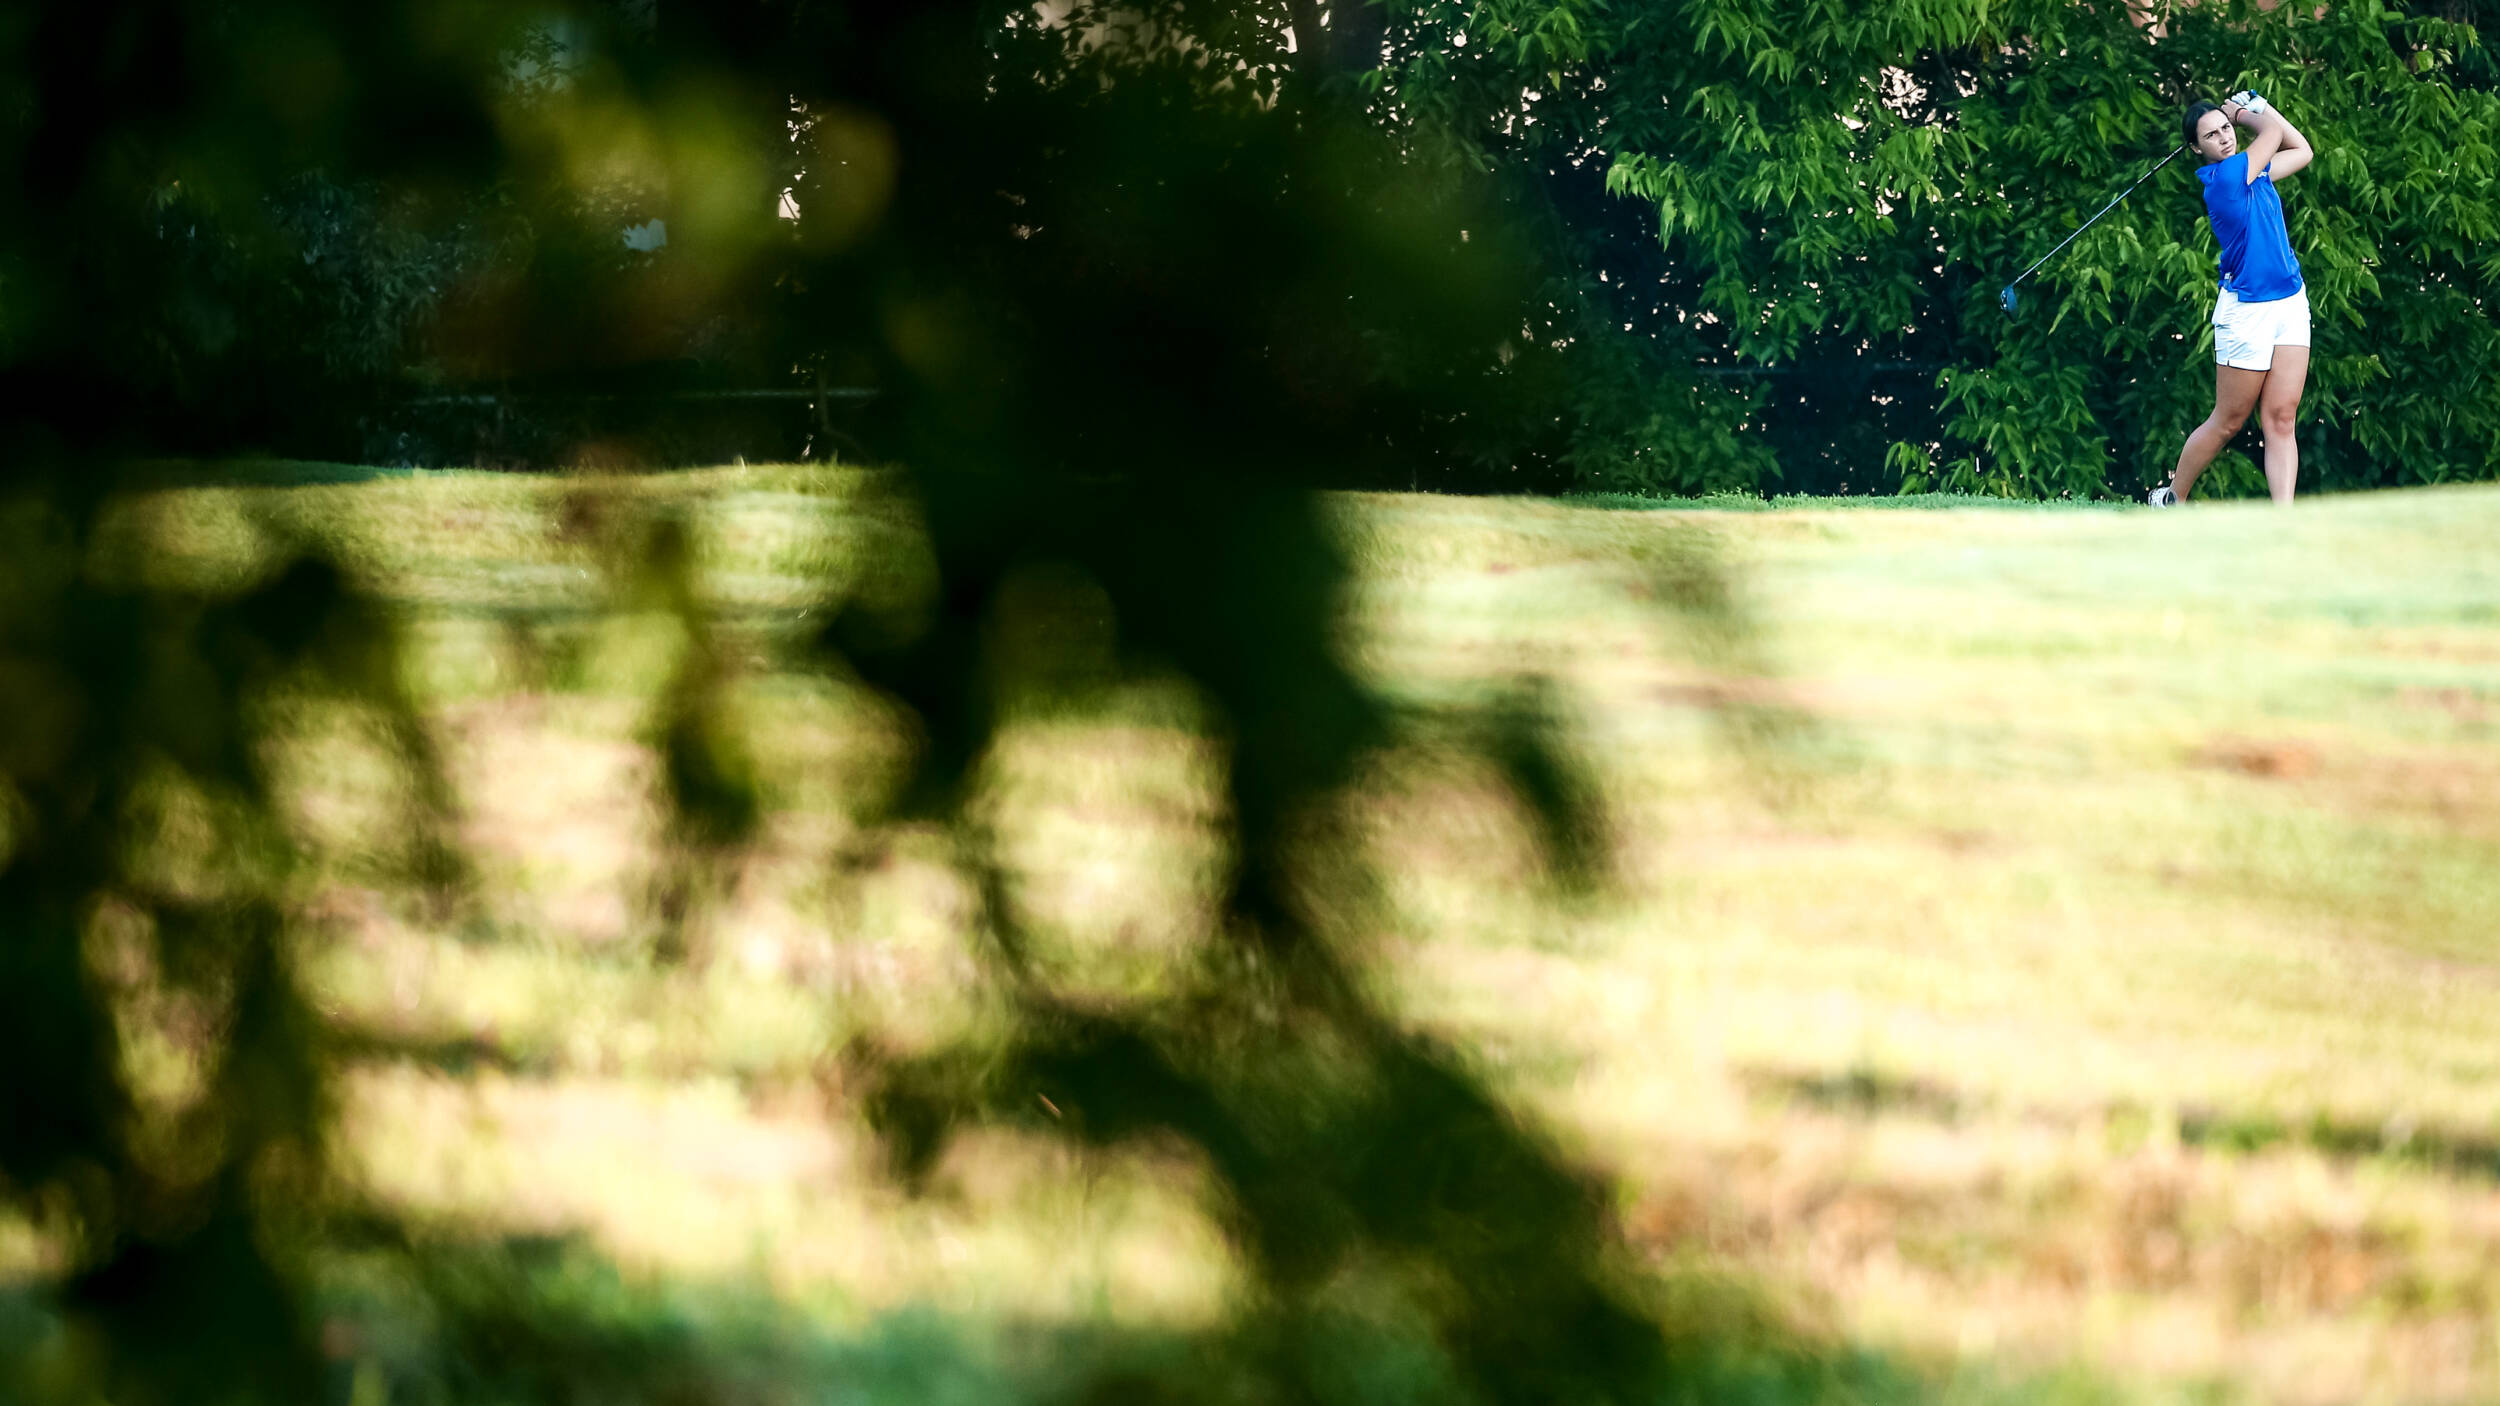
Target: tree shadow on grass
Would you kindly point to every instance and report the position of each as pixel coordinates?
(546, 1319)
(1866, 1093)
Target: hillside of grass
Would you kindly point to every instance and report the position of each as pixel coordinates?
(2055, 948)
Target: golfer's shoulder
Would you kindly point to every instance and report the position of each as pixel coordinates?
(2230, 173)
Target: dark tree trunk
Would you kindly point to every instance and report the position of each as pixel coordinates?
(1310, 40)
(1334, 38)
(1356, 30)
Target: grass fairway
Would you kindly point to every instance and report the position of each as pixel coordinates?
(2110, 970)
(2039, 940)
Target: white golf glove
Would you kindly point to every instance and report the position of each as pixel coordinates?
(2247, 98)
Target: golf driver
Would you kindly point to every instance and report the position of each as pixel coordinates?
(2006, 298)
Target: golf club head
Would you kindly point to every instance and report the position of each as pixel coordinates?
(2005, 299)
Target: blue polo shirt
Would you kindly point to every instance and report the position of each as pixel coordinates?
(2257, 260)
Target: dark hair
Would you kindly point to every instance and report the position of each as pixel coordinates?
(2195, 114)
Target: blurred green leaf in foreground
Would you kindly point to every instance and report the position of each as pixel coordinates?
(1130, 280)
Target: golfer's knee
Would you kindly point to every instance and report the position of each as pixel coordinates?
(2278, 420)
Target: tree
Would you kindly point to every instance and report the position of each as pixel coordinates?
(1131, 297)
(1833, 196)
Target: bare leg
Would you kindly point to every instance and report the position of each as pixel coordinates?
(2277, 410)
(2235, 394)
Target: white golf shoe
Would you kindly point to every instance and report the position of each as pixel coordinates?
(2162, 498)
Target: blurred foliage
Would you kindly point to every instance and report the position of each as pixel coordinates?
(1796, 289)
(1133, 281)
(166, 1111)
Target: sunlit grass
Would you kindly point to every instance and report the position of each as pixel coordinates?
(2136, 827)
(2035, 938)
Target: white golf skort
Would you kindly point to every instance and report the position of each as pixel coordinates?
(2246, 334)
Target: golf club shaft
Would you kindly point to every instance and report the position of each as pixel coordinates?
(2112, 205)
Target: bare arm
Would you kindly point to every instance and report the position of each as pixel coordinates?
(2295, 151)
(2272, 140)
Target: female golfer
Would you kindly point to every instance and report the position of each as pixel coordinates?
(2261, 320)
